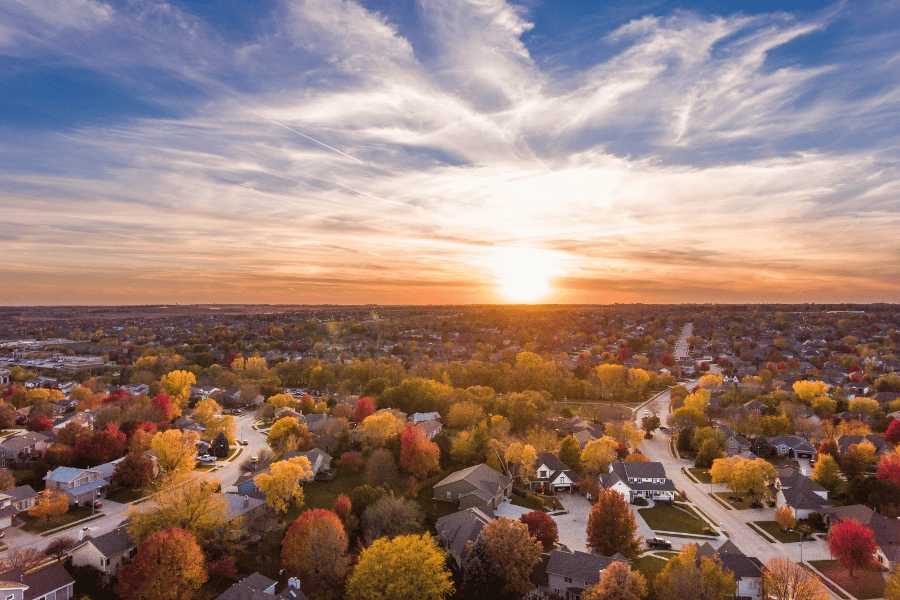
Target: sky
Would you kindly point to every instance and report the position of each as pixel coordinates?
(434, 152)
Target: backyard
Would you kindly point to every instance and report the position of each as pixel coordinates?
(863, 585)
(665, 517)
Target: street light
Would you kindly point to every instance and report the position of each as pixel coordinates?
(800, 533)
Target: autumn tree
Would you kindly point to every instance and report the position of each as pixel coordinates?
(177, 385)
(827, 474)
(207, 410)
(282, 401)
(49, 504)
(479, 581)
(857, 459)
(169, 565)
(135, 471)
(25, 559)
(383, 571)
(38, 422)
(419, 456)
(636, 457)
(786, 580)
(599, 454)
(176, 451)
(377, 430)
(618, 582)
(611, 526)
(785, 518)
(184, 503)
(315, 550)
(684, 576)
(649, 424)
(390, 517)
(892, 435)
(60, 547)
(465, 414)
(365, 407)
(281, 484)
(853, 545)
(352, 461)
(381, 467)
(513, 553)
(625, 432)
(542, 527)
(288, 434)
(807, 390)
(889, 467)
(709, 452)
(7, 479)
(570, 454)
(523, 457)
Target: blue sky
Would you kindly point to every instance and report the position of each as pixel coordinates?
(407, 151)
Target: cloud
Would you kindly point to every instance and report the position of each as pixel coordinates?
(673, 170)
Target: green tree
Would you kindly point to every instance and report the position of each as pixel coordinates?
(570, 454)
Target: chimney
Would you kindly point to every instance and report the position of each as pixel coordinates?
(84, 533)
(293, 582)
(246, 501)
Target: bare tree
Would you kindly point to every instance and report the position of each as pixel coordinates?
(25, 559)
(786, 580)
(59, 547)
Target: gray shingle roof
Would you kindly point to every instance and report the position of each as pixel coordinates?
(464, 526)
(112, 543)
(578, 565)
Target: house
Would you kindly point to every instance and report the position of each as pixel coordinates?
(49, 583)
(319, 460)
(639, 480)
(734, 444)
(582, 430)
(4, 377)
(792, 446)
(417, 418)
(570, 573)
(259, 587)
(431, 428)
(476, 486)
(881, 447)
(22, 448)
(80, 485)
(107, 553)
(886, 531)
(14, 501)
(754, 405)
(245, 507)
(315, 423)
(553, 475)
(747, 571)
(456, 530)
(803, 495)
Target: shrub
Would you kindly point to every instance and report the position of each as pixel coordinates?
(639, 501)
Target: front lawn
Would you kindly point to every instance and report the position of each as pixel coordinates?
(664, 517)
(34, 525)
(726, 497)
(702, 475)
(125, 495)
(526, 502)
(863, 585)
(774, 529)
(649, 566)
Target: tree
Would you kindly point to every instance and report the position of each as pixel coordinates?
(686, 418)
(892, 435)
(542, 527)
(524, 457)
(383, 571)
(892, 590)
(649, 424)
(625, 432)
(281, 483)
(177, 385)
(364, 496)
(570, 454)
(60, 547)
(39, 422)
(824, 406)
(282, 400)
(786, 580)
(829, 446)
(7, 479)
(889, 467)
(377, 430)
(686, 577)
(807, 390)
(709, 452)
(636, 457)
(381, 467)
(223, 568)
(419, 456)
(24, 559)
(95, 448)
(743, 475)
(598, 454)
(169, 565)
(513, 553)
(343, 508)
(857, 459)
(288, 434)
(785, 518)
(226, 425)
(389, 517)
(618, 582)
(866, 406)
(8, 416)
(176, 451)
(220, 446)
(49, 504)
(365, 407)
(479, 581)
(315, 550)
(611, 526)
(465, 414)
(853, 545)
(184, 503)
(135, 471)
(206, 411)
(352, 461)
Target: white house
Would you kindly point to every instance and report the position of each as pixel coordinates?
(803, 495)
(639, 480)
(553, 475)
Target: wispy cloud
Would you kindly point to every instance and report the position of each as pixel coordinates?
(691, 164)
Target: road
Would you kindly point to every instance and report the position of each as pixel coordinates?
(114, 513)
(681, 346)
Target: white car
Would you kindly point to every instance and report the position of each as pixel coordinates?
(206, 458)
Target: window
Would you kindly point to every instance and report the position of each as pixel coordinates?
(448, 494)
(567, 579)
(10, 597)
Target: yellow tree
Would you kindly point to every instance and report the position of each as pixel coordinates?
(191, 504)
(176, 451)
(289, 434)
(525, 456)
(226, 425)
(49, 504)
(282, 400)
(625, 432)
(866, 406)
(376, 430)
(785, 518)
(710, 381)
(599, 454)
(177, 385)
(281, 484)
(807, 390)
(256, 366)
(698, 401)
(206, 410)
(723, 470)
(612, 380)
(383, 571)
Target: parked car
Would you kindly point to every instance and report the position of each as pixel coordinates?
(97, 504)
(659, 543)
(206, 458)
(245, 443)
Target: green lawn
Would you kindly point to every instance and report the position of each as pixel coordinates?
(863, 585)
(649, 566)
(725, 497)
(663, 517)
(202, 467)
(34, 525)
(125, 495)
(524, 502)
(774, 529)
(702, 475)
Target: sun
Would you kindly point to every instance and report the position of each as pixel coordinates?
(524, 275)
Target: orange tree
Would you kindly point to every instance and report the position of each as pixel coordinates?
(611, 526)
(169, 565)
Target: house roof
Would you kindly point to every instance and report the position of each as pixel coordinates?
(803, 496)
(112, 543)
(64, 474)
(42, 582)
(845, 441)
(20, 442)
(556, 468)
(643, 470)
(431, 427)
(798, 444)
(253, 587)
(240, 505)
(482, 477)
(22, 492)
(886, 531)
(579, 565)
(462, 527)
(86, 487)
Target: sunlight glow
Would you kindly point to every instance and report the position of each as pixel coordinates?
(524, 274)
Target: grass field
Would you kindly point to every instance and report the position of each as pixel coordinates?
(702, 475)
(649, 566)
(863, 585)
(663, 517)
(774, 529)
(725, 497)
(34, 525)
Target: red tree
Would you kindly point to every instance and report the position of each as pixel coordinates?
(315, 550)
(830, 446)
(307, 404)
(100, 447)
(542, 527)
(365, 406)
(667, 360)
(622, 450)
(134, 472)
(892, 435)
(419, 456)
(342, 507)
(853, 545)
(39, 422)
(611, 526)
(352, 461)
(224, 568)
(889, 467)
(169, 565)
(165, 407)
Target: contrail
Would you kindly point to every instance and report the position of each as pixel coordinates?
(307, 137)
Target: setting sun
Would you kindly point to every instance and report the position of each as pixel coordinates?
(523, 274)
